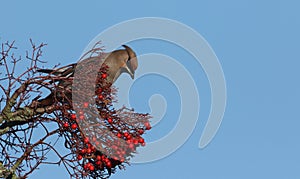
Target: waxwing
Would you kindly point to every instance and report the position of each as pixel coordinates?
(118, 62)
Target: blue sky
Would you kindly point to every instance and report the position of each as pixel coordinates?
(257, 43)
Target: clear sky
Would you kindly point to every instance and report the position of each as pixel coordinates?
(257, 44)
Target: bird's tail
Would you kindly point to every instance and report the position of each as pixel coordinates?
(45, 70)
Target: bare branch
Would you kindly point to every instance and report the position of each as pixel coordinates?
(97, 139)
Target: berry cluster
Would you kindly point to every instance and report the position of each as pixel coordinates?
(101, 137)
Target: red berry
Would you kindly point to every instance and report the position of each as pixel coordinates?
(104, 75)
(98, 162)
(66, 124)
(85, 104)
(148, 126)
(103, 158)
(135, 141)
(141, 140)
(131, 146)
(126, 134)
(83, 151)
(89, 150)
(73, 116)
(92, 168)
(100, 97)
(86, 140)
(98, 157)
(141, 131)
(88, 165)
(81, 117)
(119, 135)
(108, 164)
(106, 160)
(79, 157)
(109, 120)
(143, 144)
(128, 137)
(93, 148)
(74, 126)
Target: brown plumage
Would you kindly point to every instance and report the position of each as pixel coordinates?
(118, 62)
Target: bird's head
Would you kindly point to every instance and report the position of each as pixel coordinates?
(121, 61)
(131, 63)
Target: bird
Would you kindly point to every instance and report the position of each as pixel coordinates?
(118, 62)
